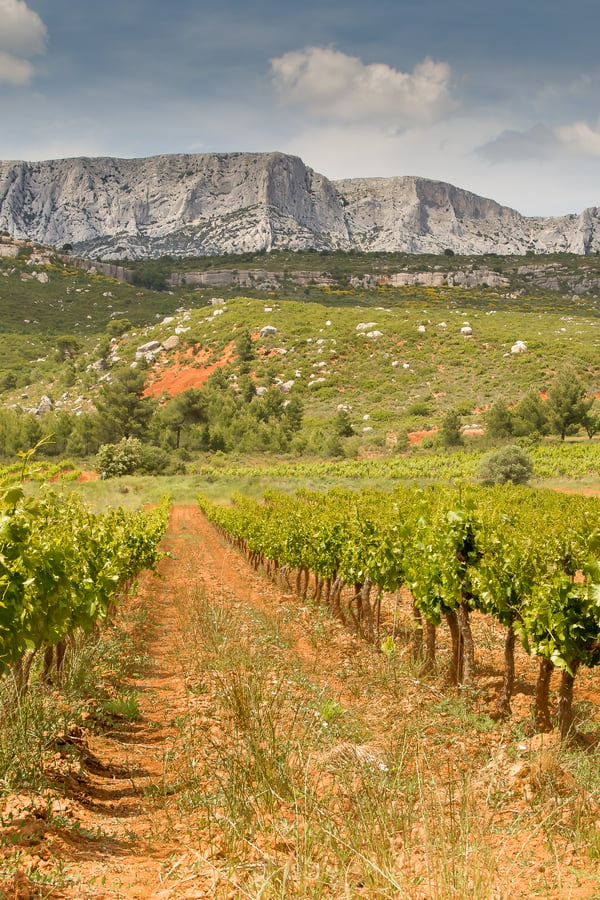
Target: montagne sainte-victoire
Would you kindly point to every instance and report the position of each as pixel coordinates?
(215, 203)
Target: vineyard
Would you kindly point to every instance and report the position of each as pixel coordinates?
(528, 559)
(303, 708)
(61, 569)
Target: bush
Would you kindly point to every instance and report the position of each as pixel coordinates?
(450, 431)
(419, 408)
(113, 460)
(509, 464)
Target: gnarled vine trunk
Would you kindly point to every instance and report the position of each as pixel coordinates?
(417, 643)
(429, 648)
(21, 670)
(565, 700)
(366, 610)
(503, 709)
(456, 660)
(468, 645)
(542, 694)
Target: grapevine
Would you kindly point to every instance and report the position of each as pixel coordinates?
(528, 558)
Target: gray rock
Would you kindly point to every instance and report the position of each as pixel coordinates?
(45, 405)
(171, 342)
(216, 203)
(268, 331)
(149, 347)
(519, 347)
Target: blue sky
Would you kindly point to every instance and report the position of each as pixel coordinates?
(501, 99)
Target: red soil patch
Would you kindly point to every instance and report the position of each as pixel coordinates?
(88, 476)
(415, 437)
(183, 375)
(584, 491)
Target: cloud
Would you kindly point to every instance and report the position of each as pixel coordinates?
(22, 34)
(14, 70)
(580, 140)
(330, 84)
(574, 141)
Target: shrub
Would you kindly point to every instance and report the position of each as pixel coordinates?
(419, 408)
(450, 432)
(509, 464)
(113, 460)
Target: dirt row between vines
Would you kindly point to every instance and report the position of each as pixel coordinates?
(121, 823)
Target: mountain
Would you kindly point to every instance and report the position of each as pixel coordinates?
(215, 203)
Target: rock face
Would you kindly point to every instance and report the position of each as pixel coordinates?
(213, 203)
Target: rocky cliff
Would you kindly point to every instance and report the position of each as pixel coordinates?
(216, 203)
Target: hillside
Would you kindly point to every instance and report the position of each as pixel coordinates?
(207, 204)
(392, 359)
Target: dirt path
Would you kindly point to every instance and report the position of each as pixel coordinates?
(109, 834)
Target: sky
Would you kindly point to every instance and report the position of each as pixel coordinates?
(502, 99)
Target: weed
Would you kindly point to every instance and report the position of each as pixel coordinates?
(124, 707)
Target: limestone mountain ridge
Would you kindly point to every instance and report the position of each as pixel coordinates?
(217, 203)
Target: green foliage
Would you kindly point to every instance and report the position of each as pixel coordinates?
(124, 707)
(186, 409)
(419, 408)
(124, 458)
(294, 413)
(123, 411)
(509, 464)
(152, 273)
(65, 334)
(527, 558)
(499, 421)
(117, 327)
(591, 424)
(567, 403)
(60, 566)
(342, 424)
(450, 430)
(244, 346)
(530, 417)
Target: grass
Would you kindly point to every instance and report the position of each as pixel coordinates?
(569, 467)
(96, 671)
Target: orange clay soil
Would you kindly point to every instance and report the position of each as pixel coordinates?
(187, 371)
(113, 824)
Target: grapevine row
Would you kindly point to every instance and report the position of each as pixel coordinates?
(527, 558)
(61, 568)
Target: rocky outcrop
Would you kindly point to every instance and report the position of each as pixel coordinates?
(212, 203)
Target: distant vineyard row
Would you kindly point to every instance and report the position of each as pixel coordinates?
(530, 559)
(550, 461)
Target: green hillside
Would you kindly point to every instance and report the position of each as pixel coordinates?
(364, 367)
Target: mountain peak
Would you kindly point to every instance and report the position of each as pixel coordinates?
(215, 203)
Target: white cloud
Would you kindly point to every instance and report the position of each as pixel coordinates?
(22, 34)
(573, 141)
(330, 84)
(14, 70)
(580, 140)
